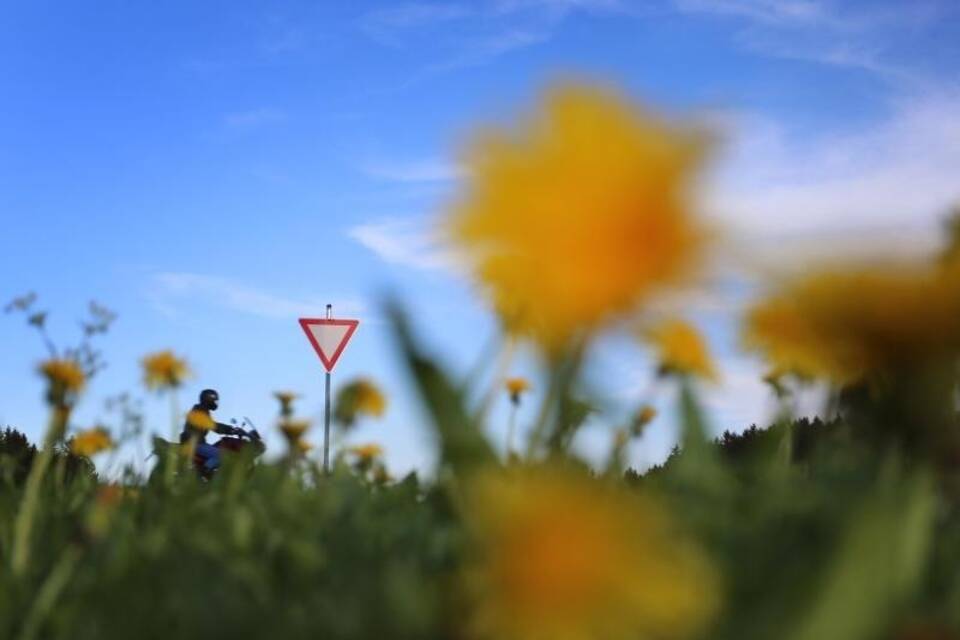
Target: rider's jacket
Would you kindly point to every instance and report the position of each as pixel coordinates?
(190, 431)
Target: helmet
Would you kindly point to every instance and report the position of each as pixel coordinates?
(209, 399)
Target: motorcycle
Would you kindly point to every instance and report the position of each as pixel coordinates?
(242, 441)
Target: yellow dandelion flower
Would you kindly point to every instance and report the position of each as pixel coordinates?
(781, 329)
(580, 217)
(293, 430)
(200, 420)
(681, 349)
(641, 419)
(286, 399)
(303, 447)
(381, 475)
(99, 517)
(370, 400)
(842, 324)
(188, 449)
(563, 557)
(164, 370)
(63, 372)
(646, 414)
(366, 452)
(359, 397)
(91, 442)
(110, 494)
(516, 387)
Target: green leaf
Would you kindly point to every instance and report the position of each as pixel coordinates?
(699, 464)
(877, 565)
(462, 444)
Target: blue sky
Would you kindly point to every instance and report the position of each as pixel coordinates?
(213, 170)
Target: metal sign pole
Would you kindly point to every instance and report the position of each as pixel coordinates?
(326, 414)
(326, 430)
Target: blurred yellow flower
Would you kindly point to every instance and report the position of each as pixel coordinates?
(359, 397)
(381, 475)
(91, 442)
(200, 420)
(286, 399)
(681, 349)
(581, 216)
(641, 419)
(188, 449)
(293, 430)
(516, 387)
(842, 324)
(164, 370)
(64, 374)
(65, 380)
(303, 447)
(366, 452)
(564, 557)
(646, 414)
(110, 494)
(783, 331)
(100, 515)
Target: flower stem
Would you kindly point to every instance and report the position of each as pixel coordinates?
(49, 592)
(546, 409)
(511, 427)
(563, 371)
(504, 360)
(174, 415)
(22, 527)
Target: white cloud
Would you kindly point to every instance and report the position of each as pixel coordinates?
(409, 242)
(476, 51)
(776, 12)
(882, 184)
(784, 198)
(783, 195)
(423, 170)
(474, 33)
(830, 33)
(512, 6)
(172, 289)
(740, 398)
(386, 24)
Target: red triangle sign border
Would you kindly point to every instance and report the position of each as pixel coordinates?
(328, 363)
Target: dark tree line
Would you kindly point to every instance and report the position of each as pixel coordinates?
(17, 455)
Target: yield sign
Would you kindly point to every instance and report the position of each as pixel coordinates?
(328, 337)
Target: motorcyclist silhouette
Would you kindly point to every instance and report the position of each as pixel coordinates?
(199, 422)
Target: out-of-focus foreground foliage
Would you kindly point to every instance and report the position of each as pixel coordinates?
(801, 530)
(846, 528)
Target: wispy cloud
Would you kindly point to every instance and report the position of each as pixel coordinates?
(475, 51)
(170, 290)
(830, 33)
(474, 33)
(387, 25)
(891, 180)
(253, 118)
(407, 241)
(412, 171)
(283, 35)
(783, 193)
(775, 12)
